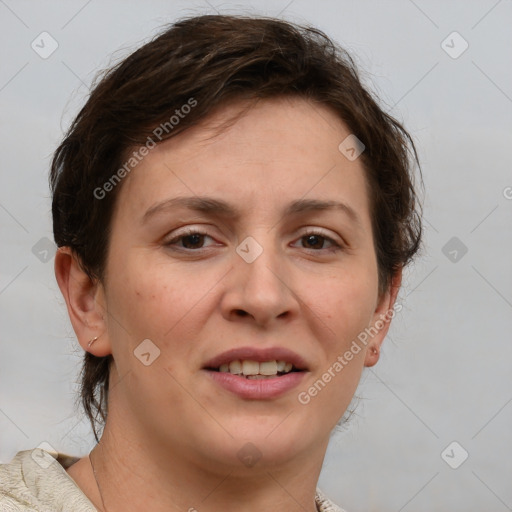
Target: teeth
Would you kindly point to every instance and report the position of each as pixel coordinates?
(250, 367)
(235, 367)
(255, 370)
(268, 368)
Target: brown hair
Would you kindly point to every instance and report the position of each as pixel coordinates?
(205, 62)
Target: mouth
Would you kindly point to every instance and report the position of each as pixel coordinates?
(257, 374)
(254, 370)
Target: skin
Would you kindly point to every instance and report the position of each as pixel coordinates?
(172, 436)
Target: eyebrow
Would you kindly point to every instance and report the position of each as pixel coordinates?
(212, 206)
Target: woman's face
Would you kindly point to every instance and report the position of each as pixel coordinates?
(269, 271)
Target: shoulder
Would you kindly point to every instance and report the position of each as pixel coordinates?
(36, 480)
(324, 504)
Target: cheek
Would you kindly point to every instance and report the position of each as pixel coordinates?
(140, 300)
(347, 307)
(347, 303)
(157, 301)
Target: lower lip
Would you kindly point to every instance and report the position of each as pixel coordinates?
(257, 389)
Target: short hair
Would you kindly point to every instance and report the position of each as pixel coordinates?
(193, 67)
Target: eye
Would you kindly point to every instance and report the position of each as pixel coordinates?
(316, 239)
(188, 240)
(193, 240)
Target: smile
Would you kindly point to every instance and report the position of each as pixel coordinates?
(256, 373)
(256, 370)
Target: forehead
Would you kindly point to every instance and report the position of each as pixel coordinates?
(274, 151)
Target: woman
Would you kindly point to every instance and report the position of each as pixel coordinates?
(233, 213)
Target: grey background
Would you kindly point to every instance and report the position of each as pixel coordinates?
(444, 374)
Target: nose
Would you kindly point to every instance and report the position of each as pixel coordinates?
(259, 292)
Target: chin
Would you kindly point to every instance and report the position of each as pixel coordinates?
(269, 441)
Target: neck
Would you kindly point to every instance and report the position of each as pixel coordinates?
(136, 476)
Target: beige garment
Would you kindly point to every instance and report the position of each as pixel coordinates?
(36, 480)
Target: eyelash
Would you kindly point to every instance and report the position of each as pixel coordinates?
(190, 232)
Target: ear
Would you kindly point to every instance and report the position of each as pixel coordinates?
(85, 301)
(381, 319)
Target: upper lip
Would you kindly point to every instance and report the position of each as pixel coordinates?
(259, 355)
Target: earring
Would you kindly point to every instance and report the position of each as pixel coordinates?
(375, 351)
(92, 341)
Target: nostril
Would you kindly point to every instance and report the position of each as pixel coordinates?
(241, 312)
